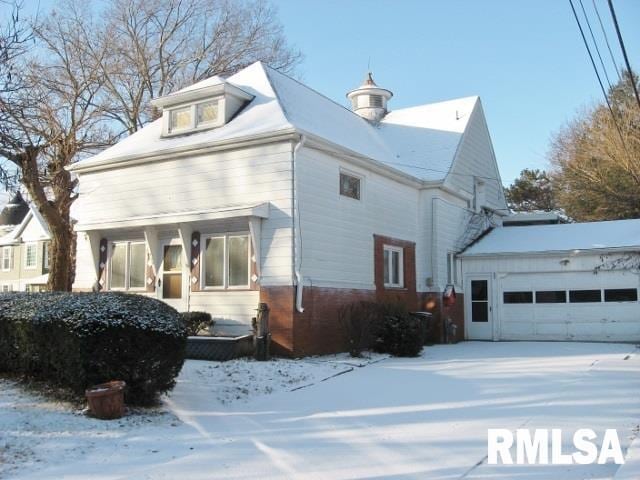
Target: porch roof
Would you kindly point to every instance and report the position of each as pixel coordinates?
(259, 210)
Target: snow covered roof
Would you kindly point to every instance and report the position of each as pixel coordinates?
(617, 234)
(420, 141)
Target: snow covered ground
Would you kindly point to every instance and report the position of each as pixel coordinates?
(423, 418)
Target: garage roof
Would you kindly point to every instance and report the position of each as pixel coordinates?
(617, 234)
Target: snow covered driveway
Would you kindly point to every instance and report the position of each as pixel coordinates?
(423, 418)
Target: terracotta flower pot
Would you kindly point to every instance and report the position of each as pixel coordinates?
(106, 401)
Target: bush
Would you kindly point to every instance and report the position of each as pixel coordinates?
(196, 321)
(383, 327)
(358, 322)
(75, 340)
(399, 333)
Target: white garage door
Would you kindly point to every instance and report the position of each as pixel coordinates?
(568, 306)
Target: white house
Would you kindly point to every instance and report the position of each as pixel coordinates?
(24, 247)
(574, 281)
(256, 188)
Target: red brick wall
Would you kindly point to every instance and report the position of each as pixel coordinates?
(432, 302)
(407, 294)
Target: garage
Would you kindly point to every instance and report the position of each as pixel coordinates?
(554, 282)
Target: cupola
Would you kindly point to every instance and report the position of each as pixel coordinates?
(369, 100)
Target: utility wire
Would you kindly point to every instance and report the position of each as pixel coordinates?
(624, 52)
(595, 44)
(595, 69)
(606, 39)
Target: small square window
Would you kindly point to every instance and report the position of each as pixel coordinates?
(180, 119)
(207, 113)
(349, 186)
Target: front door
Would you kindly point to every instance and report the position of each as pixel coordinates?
(172, 284)
(478, 308)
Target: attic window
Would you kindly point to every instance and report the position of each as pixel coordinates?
(207, 113)
(180, 119)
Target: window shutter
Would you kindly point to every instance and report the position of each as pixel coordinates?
(102, 264)
(195, 262)
(150, 272)
(11, 253)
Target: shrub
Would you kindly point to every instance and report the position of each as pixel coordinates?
(196, 321)
(383, 327)
(398, 333)
(358, 322)
(75, 340)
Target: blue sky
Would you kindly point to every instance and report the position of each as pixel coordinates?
(525, 59)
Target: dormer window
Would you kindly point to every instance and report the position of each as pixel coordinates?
(203, 106)
(180, 119)
(207, 113)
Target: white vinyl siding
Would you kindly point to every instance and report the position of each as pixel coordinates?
(249, 176)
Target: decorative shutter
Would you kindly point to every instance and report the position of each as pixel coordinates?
(11, 254)
(150, 272)
(102, 264)
(195, 262)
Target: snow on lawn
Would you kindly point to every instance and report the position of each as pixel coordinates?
(415, 418)
(36, 432)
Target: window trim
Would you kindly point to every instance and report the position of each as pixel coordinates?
(46, 256)
(225, 270)
(26, 255)
(8, 257)
(400, 250)
(127, 266)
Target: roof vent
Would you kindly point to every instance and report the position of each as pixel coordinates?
(370, 101)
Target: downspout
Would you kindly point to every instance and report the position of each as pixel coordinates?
(297, 235)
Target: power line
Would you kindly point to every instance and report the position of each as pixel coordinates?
(595, 69)
(624, 52)
(606, 39)
(595, 44)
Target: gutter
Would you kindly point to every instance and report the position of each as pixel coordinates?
(297, 234)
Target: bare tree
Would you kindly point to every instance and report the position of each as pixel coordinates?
(54, 117)
(158, 46)
(596, 160)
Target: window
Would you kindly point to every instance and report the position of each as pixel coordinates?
(172, 271)
(585, 296)
(207, 113)
(518, 297)
(393, 266)
(551, 296)
(31, 255)
(46, 254)
(452, 271)
(7, 288)
(479, 301)
(621, 295)
(180, 119)
(128, 266)
(7, 259)
(226, 261)
(349, 186)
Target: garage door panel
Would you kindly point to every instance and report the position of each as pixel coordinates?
(590, 321)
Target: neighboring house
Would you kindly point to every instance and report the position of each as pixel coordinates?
(24, 248)
(576, 281)
(257, 188)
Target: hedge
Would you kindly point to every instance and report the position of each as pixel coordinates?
(75, 340)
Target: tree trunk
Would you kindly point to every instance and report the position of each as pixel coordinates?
(56, 214)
